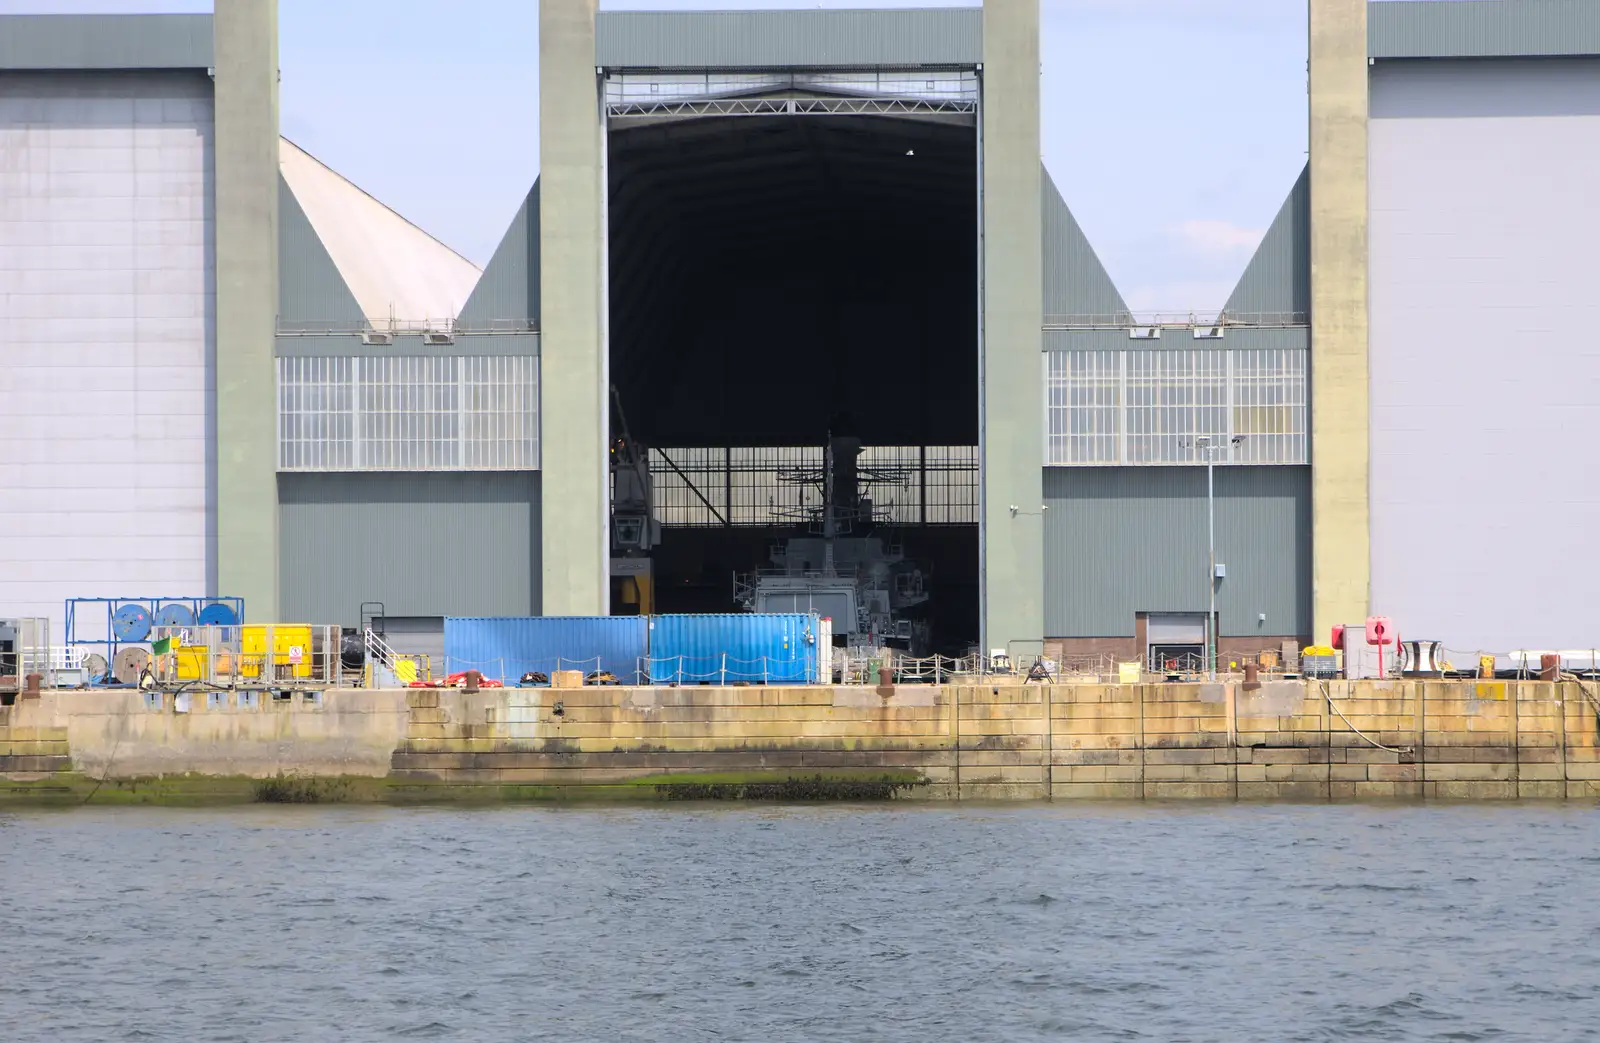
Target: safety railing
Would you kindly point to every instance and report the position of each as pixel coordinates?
(27, 652)
(724, 669)
(934, 669)
(382, 666)
(1522, 664)
(1121, 320)
(539, 672)
(285, 654)
(404, 327)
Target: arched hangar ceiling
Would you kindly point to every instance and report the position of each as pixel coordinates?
(772, 277)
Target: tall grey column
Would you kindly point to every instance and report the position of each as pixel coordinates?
(1341, 573)
(1012, 402)
(573, 365)
(246, 190)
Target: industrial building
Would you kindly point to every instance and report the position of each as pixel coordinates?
(800, 275)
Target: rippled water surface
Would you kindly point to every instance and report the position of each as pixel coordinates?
(789, 924)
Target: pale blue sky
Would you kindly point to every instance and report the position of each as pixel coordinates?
(1174, 128)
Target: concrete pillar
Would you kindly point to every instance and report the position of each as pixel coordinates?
(573, 375)
(1012, 266)
(246, 190)
(1341, 566)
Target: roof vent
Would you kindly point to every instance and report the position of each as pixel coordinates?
(1208, 332)
(377, 337)
(1144, 333)
(436, 339)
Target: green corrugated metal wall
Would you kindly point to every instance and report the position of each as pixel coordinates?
(508, 290)
(1278, 277)
(146, 41)
(424, 544)
(1075, 282)
(1122, 540)
(1482, 28)
(312, 295)
(1237, 338)
(775, 39)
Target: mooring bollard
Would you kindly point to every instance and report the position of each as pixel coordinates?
(472, 679)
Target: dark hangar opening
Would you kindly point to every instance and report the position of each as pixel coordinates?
(779, 280)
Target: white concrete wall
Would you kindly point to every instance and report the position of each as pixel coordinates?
(1484, 368)
(106, 338)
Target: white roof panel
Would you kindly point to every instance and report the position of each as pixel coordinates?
(396, 271)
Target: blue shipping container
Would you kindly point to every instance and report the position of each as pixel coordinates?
(505, 648)
(732, 648)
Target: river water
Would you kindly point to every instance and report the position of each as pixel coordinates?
(779, 924)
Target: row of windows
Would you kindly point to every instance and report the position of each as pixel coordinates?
(463, 413)
(1102, 407)
(1155, 407)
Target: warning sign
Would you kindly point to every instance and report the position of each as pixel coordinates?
(297, 654)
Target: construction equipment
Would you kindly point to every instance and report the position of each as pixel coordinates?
(634, 528)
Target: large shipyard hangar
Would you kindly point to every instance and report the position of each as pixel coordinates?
(792, 296)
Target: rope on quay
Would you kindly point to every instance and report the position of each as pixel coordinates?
(1566, 676)
(1328, 695)
(105, 772)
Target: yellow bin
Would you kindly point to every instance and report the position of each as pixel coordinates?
(291, 650)
(192, 662)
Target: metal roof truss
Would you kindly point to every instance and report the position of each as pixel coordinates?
(791, 106)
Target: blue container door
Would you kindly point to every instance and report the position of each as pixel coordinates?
(743, 648)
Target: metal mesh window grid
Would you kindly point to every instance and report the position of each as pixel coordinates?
(701, 487)
(1147, 407)
(408, 413)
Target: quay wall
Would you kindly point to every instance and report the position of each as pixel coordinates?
(1285, 740)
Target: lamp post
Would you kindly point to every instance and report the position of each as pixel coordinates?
(1211, 445)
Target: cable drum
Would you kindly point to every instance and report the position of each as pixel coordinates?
(174, 614)
(130, 623)
(128, 664)
(218, 614)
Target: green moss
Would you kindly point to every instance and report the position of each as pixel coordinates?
(74, 788)
(835, 785)
(300, 789)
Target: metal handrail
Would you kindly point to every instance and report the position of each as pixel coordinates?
(1123, 320)
(398, 327)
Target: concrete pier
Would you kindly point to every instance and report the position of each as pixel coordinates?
(1286, 740)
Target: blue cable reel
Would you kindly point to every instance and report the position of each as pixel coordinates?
(130, 623)
(218, 614)
(174, 614)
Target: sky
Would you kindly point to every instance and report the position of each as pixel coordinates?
(1174, 128)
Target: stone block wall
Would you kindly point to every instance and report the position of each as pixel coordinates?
(1284, 740)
